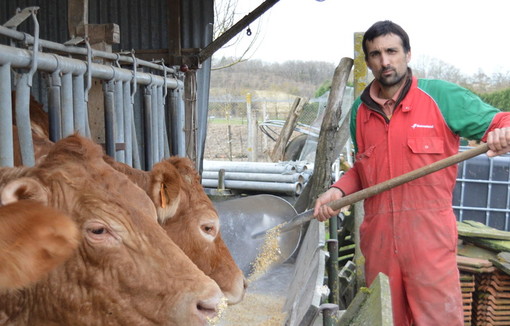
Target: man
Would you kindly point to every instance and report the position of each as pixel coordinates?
(401, 123)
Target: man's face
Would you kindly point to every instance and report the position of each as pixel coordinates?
(387, 60)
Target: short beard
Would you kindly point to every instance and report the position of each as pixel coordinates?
(392, 82)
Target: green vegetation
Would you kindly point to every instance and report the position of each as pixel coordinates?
(499, 99)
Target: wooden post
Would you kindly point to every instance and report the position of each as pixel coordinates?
(288, 128)
(360, 82)
(252, 130)
(329, 143)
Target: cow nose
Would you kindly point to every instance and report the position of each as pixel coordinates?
(245, 283)
(209, 308)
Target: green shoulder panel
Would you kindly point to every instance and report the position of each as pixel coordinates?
(354, 113)
(464, 112)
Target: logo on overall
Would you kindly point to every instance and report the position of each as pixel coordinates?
(422, 126)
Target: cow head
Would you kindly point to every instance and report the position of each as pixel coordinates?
(190, 219)
(126, 270)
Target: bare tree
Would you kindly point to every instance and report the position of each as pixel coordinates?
(226, 14)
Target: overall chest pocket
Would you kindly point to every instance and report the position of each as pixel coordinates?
(368, 167)
(424, 151)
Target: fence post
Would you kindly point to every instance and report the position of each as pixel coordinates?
(252, 130)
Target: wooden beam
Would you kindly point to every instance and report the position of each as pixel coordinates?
(77, 15)
(288, 128)
(224, 38)
(174, 27)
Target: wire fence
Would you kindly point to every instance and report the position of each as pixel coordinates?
(228, 124)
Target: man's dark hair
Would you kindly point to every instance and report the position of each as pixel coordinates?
(382, 28)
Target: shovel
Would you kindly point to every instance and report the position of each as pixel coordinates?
(378, 188)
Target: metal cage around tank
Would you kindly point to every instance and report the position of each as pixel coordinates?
(482, 192)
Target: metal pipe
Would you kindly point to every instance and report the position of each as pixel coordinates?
(329, 314)
(128, 118)
(54, 107)
(33, 65)
(67, 105)
(136, 153)
(178, 119)
(6, 141)
(20, 58)
(29, 39)
(270, 177)
(255, 167)
(79, 105)
(154, 125)
(119, 120)
(109, 118)
(160, 122)
(332, 263)
(148, 128)
(23, 120)
(287, 188)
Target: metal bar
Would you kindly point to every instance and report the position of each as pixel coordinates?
(109, 118)
(33, 65)
(54, 107)
(154, 125)
(28, 39)
(160, 123)
(332, 262)
(128, 119)
(6, 141)
(136, 154)
(67, 105)
(489, 191)
(23, 120)
(20, 58)
(79, 105)
(254, 167)
(178, 122)
(287, 188)
(148, 128)
(120, 155)
(248, 176)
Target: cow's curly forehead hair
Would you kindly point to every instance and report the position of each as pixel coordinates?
(73, 148)
(382, 28)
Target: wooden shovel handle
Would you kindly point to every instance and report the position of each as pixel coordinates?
(409, 176)
(383, 186)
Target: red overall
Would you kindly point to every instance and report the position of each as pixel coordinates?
(409, 232)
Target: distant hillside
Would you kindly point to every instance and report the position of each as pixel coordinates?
(299, 78)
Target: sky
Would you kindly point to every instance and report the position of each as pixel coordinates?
(471, 35)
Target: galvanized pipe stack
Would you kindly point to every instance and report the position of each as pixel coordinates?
(284, 177)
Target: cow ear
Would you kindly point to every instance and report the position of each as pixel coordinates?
(168, 203)
(23, 188)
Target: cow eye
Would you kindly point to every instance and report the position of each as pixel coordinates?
(98, 231)
(208, 229)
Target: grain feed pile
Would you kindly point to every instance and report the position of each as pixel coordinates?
(255, 310)
(268, 254)
(259, 309)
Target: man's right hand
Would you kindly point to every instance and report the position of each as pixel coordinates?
(321, 211)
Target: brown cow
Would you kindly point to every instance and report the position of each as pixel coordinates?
(34, 239)
(190, 219)
(126, 271)
(185, 203)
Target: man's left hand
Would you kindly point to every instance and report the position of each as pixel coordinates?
(498, 141)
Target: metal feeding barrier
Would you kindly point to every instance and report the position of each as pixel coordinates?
(69, 85)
